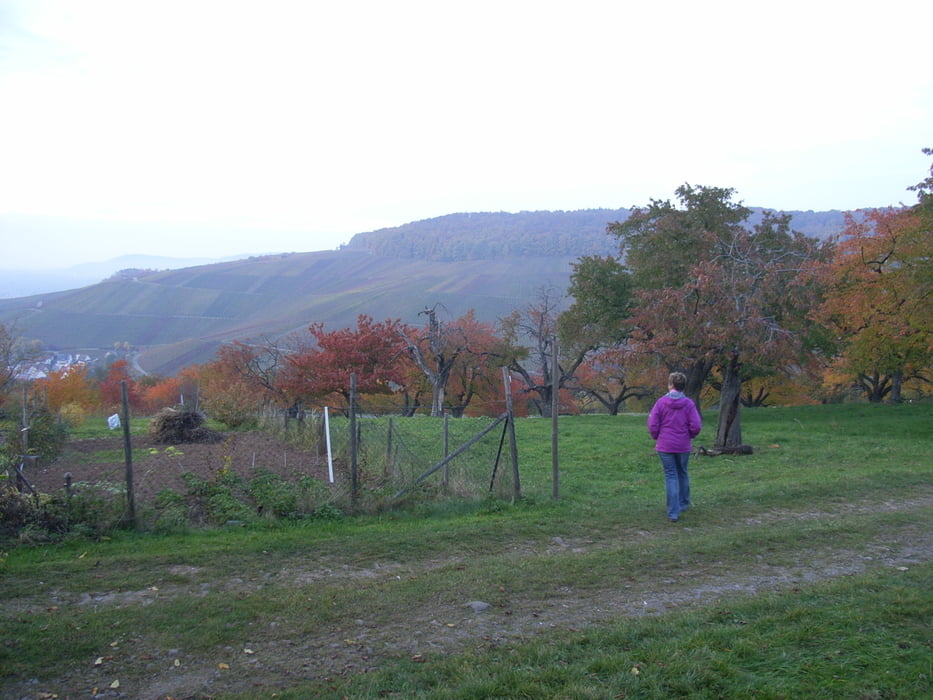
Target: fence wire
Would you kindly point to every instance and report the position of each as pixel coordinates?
(401, 457)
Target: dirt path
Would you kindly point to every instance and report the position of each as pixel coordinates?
(356, 646)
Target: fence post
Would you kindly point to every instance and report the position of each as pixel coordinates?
(555, 410)
(354, 446)
(446, 449)
(513, 447)
(330, 454)
(128, 453)
(388, 464)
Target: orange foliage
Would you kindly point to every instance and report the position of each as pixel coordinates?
(163, 394)
(111, 388)
(879, 300)
(69, 387)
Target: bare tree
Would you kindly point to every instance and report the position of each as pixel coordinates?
(13, 354)
(537, 324)
(436, 352)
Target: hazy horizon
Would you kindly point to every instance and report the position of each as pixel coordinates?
(227, 128)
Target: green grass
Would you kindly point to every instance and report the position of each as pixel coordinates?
(801, 571)
(96, 427)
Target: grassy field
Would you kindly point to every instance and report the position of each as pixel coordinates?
(803, 570)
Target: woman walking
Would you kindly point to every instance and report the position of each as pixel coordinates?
(673, 422)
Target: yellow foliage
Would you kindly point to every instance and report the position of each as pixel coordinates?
(74, 414)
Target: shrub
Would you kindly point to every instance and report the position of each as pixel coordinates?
(327, 512)
(273, 495)
(90, 510)
(73, 414)
(47, 436)
(171, 513)
(218, 501)
(224, 507)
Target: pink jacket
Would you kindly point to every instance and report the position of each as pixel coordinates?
(674, 421)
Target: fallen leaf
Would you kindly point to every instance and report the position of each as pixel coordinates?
(902, 568)
(114, 685)
(99, 660)
(82, 555)
(177, 663)
(248, 651)
(223, 666)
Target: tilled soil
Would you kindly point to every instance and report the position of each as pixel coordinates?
(162, 467)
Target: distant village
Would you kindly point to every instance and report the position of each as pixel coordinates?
(41, 366)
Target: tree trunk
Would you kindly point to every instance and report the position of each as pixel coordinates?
(696, 378)
(729, 429)
(897, 381)
(876, 386)
(437, 398)
(543, 404)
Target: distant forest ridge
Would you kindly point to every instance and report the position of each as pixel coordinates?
(565, 234)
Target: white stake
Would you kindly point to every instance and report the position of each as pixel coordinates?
(330, 457)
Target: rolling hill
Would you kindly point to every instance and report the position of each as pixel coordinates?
(491, 263)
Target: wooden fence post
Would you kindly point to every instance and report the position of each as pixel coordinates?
(446, 449)
(555, 410)
(513, 446)
(128, 455)
(388, 465)
(354, 445)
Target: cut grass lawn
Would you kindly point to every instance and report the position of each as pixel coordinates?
(803, 570)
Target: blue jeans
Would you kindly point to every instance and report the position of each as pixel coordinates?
(676, 481)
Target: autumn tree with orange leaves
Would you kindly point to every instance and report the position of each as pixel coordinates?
(69, 387)
(456, 358)
(164, 392)
(880, 300)
(614, 375)
(241, 381)
(475, 379)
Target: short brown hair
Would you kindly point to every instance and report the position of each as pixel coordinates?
(678, 380)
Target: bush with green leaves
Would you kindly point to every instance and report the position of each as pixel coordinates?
(87, 511)
(273, 495)
(45, 438)
(217, 501)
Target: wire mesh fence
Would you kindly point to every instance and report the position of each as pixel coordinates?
(410, 458)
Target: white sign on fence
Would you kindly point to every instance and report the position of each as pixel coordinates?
(114, 421)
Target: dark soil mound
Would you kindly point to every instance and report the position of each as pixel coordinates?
(172, 426)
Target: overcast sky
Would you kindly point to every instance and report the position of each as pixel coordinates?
(289, 126)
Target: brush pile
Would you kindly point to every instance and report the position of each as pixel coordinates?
(176, 426)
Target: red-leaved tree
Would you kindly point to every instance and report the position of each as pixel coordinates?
(111, 392)
(375, 352)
